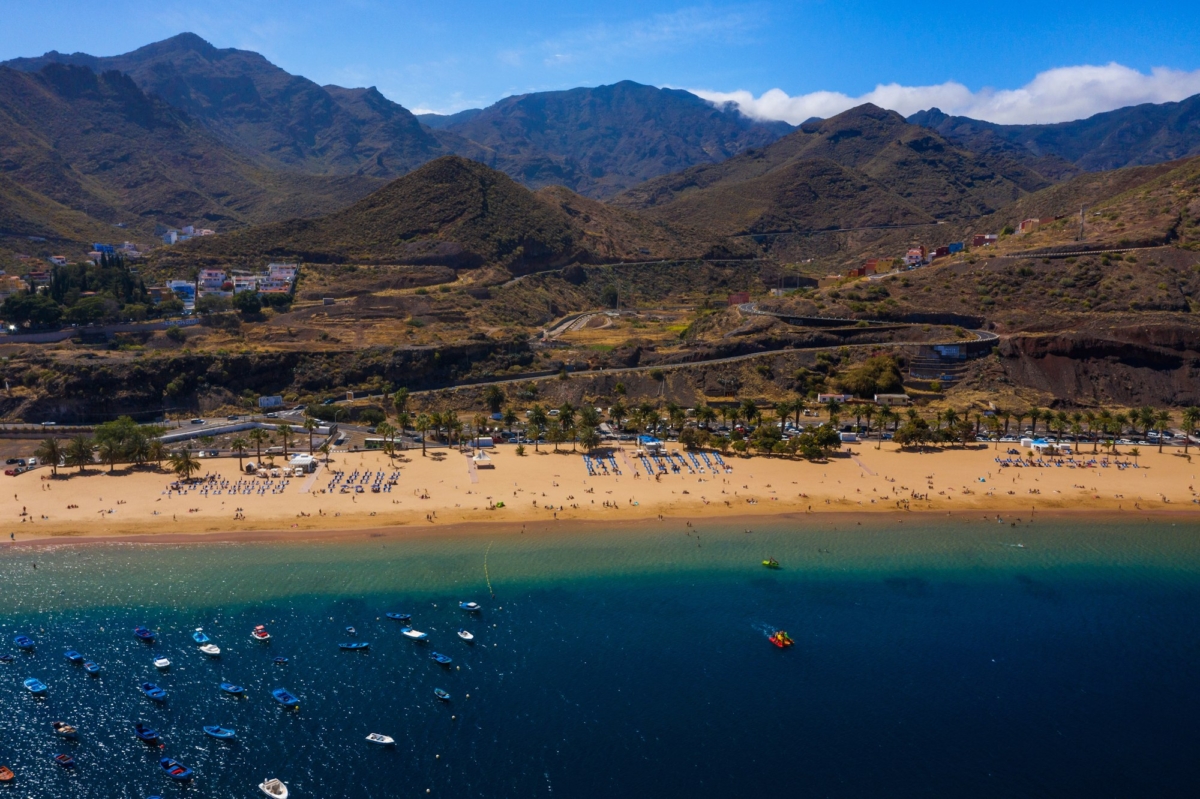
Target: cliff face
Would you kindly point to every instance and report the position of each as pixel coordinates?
(1155, 364)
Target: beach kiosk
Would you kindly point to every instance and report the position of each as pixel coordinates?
(482, 460)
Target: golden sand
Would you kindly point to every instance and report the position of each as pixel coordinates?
(445, 489)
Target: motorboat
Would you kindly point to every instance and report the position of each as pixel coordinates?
(283, 697)
(280, 661)
(154, 692)
(175, 770)
(351, 631)
(144, 634)
(440, 658)
(222, 733)
(91, 667)
(354, 646)
(72, 656)
(23, 642)
(382, 740)
(6, 774)
(64, 730)
(470, 607)
(273, 787)
(416, 635)
(199, 636)
(466, 635)
(161, 662)
(442, 695)
(145, 733)
(781, 639)
(260, 633)
(7, 658)
(36, 686)
(212, 650)
(66, 761)
(771, 563)
(231, 689)
(399, 616)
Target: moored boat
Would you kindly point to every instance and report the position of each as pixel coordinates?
(7, 658)
(232, 689)
(351, 631)
(222, 733)
(442, 695)
(199, 636)
(382, 740)
(6, 774)
(771, 563)
(259, 633)
(399, 616)
(470, 607)
(440, 658)
(72, 656)
(144, 634)
(91, 667)
(153, 691)
(36, 686)
(465, 635)
(416, 635)
(64, 730)
(23, 642)
(285, 698)
(280, 661)
(66, 761)
(212, 650)
(175, 770)
(162, 663)
(352, 646)
(781, 639)
(273, 787)
(144, 733)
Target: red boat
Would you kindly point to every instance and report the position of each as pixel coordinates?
(781, 639)
(260, 633)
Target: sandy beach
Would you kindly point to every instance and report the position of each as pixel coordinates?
(444, 489)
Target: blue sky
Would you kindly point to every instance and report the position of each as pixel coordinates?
(1009, 62)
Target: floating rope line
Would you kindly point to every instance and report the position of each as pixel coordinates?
(485, 570)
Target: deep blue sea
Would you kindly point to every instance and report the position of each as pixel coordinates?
(947, 659)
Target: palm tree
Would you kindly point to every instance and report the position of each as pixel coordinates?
(951, 418)
(157, 452)
(556, 435)
(423, 424)
(384, 431)
(705, 414)
(538, 419)
(1120, 420)
(589, 437)
(1018, 416)
(51, 452)
(184, 465)
(869, 414)
(1191, 418)
(510, 418)
(493, 396)
(324, 449)
(239, 446)
(285, 434)
(79, 452)
(1007, 417)
(1104, 421)
(886, 415)
(310, 427)
(798, 406)
(566, 420)
(1144, 416)
(1034, 415)
(403, 421)
(617, 412)
(1162, 421)
(400, 401)
(258, 436)
(1134, 452)
(110, 453)
(832, 408)
(677, 415)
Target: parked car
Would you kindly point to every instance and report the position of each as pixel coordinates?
(197, 421)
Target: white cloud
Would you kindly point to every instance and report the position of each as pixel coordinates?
(1056, 95)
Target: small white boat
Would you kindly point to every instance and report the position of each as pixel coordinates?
(162, 663)
(212, 650)
(465, 635)
(416, 635)
(382, 740)
(470, 607)
(273, 787)
(259, 633)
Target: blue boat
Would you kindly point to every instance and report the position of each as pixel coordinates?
(280, 661)
(440, 658)
(7, 658)
(220, 732)
(36, 686)
(471, 607)
(91, 667)
(199, 637)
(73, 656)
(283, 697)
(23, 642)
(154, 692)
(175, 770)
(66, 761)
(144, 634)
(442, 695)
(399, 616)
(145, 733)
(231, 689)
(353, 646)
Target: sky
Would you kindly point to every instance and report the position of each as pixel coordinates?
(1004, 62)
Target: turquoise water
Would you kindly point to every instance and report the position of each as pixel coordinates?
(958, 657)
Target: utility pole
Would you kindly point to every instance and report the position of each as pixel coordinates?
(1082, 209)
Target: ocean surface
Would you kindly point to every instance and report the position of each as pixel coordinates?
(965, 657)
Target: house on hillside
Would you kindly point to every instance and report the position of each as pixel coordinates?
(58, 260)
(984, 239)
(955, 247)
(940, 252)
(283, 271)
(211, 279)
(915, 256)
(739, 298)
(11, 284)
(891, 400)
